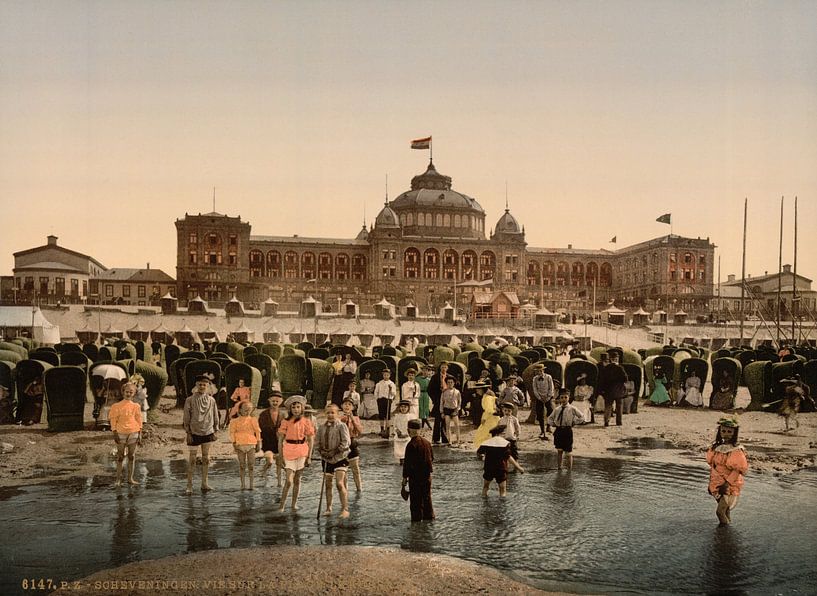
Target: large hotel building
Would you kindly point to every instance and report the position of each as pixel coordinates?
(431, 245)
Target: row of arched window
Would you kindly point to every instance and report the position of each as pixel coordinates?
(442, 220)
(307, 265)
(448, 264)
(562, 273)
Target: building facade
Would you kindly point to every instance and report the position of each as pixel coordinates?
(140, 287)
(426, 247)
(761, 293)
(51, 273)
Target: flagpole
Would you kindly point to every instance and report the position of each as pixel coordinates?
(431, 150)
(743, 269)
(794, 280)
(780, 273)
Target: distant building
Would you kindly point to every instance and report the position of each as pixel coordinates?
(760, 296)
(140, 287)
(51, 273)
(425, 242)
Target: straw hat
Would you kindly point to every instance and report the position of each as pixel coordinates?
(293, 399)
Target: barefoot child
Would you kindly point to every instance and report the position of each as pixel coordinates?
(355, 431)
(268, 422)
(728, 465)
(126, 423)
(352, 395)
(450, 402)
(333, 445)
(245, 435)
(564, 418)
(240, 395)
(295, 441)
(497, 453)
(512, 427)
(401, 437)
(385, 391)
(200, 421)
(425, 399)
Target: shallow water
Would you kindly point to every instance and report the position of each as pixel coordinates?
(607, 526)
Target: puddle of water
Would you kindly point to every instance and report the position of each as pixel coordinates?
(608, 526)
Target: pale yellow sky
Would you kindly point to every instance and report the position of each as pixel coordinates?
(118, 117)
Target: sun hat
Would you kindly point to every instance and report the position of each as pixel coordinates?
(729, 421)
(293, 399)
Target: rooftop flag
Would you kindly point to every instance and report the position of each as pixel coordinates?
(424, 143)
(666, 218)
(613, 239)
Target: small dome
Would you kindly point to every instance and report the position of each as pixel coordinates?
(507, 224)
(387, 218)
(363, 234)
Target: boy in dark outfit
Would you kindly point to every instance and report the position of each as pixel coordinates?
(497, 452)
(417, 469)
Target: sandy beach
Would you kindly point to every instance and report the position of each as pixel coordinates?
(683, 436)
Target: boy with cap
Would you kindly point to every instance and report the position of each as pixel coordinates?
(512, 393)
(333, 444)
(200, 421)
(450, 402)
(269, 420)
(410, 390)
(497, 454)
(418, 466)
(564, 418)
(512, 427)
(385, 391)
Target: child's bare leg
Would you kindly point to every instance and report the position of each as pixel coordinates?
(355, 465)
(570, 461)
(457, 426)
(327, 487)
(131, 463)
(447, 426)
(191, 464)
(240, 455)
(723, 511)
(287, 484)
(559, 453)
(120, 458)
(279, 466)
(343, 492)
(503, 488)
(269, 456)
(251, 468)
(486, 484)
(205, 465)
(296, 489)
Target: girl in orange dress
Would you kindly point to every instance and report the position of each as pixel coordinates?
(728, 465)
(240, 395)
(245, 435)
(125, 417)
(296, 437)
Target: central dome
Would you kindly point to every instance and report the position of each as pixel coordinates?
(433, 208)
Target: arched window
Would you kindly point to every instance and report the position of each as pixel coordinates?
(324, 266)
(533, 276)
(576, 274)
(451, 262)
(469, 265)
(591, 272)
(548, 271)
(562, 269)
(308, 269)
(257, 268)
(457, 220)
(487, 265)
(291, 261)
(446, 221)
(273, 264)
(410, 219)
(431, 264)
(358, 266)
(342, 266)
(411, 263)
(605, 275)
(439, 220)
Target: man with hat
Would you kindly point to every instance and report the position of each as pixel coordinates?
(543, 390)
(200, 421)
(418, 465)
(612, 386)
(269, 420)
(512, 393)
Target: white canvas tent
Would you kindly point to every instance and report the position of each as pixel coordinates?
(15, 320)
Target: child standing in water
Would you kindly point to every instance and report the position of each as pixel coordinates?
(451, 401)
(401, 437)
(126, 423)
(355, 431)
(497, 454)
(727, 467)
(245, 435)
(295, 441)
(564, 418)
(268, 422)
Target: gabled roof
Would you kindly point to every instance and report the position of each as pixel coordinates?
(767, 277)
(29, 251)
(135, 275)
(48, 266)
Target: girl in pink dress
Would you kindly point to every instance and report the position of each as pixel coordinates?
(728, 465)
(295, 441)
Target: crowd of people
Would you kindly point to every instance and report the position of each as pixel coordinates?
(285, 434)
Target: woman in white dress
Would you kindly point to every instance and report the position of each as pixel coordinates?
(582, 394)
